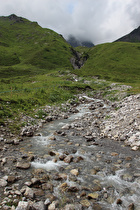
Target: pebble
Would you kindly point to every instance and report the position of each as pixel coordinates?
(75, 172)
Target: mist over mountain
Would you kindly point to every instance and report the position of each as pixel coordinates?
(133, 36)
(76, 42)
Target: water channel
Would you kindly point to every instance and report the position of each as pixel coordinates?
(109, 168)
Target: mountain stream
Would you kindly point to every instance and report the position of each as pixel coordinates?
(91, 171)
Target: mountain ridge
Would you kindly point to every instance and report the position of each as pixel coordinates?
(133, 36)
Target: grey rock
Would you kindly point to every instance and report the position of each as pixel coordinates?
(73, 207)
(29, 193)
(68, 159)
(38, 206)
(23, 205)
(21, 165)
(131, 206)
(3, 183)
(47, 202)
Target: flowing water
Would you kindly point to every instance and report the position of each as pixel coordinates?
(107, 166)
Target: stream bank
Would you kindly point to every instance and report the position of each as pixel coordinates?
(70, 163)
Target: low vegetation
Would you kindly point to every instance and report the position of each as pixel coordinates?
(28, 49)
(117, 62)
(35, 69)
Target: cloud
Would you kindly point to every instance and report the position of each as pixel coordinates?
(95, 20)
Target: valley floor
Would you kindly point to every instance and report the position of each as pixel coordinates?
(86, 157)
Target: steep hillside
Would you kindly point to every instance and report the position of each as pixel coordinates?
(119, 62)
(134, 36)
(25, 48)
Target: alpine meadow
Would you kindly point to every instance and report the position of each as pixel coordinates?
(37, 67)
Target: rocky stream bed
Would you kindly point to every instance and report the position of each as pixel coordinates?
(86, 157)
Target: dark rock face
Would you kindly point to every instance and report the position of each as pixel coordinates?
(78, 60)
(75, 42)
(134, 36)
(15, 18)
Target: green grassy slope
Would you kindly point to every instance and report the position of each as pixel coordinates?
(26, 48)
(35, 68)
(119, 62)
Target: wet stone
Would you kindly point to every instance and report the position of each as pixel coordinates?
(63, 186)
(68, 159)
(128, 165)
(35, 181)
(51, 153)
(128, 158)
(83, 193)
(74, 172)
(78, 159)
(127, 177)
(62, 157)
(93, 196)
(52, 138)
(131, 206)
(96, 188)
(93, 172)
(110, 200)
(119, 202)
(11, 179)
(9, 141)
(114, 154)
(23, 165)
(85, 203)
(97, 207)
(59, 177)
(72, 189)
(47, 202)
(136, 174)
(53, 205)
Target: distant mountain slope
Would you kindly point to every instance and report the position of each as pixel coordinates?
(118, 61)
(75, 42)
(25, 46)
(134, 36)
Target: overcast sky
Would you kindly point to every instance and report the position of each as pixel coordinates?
(99, 21)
